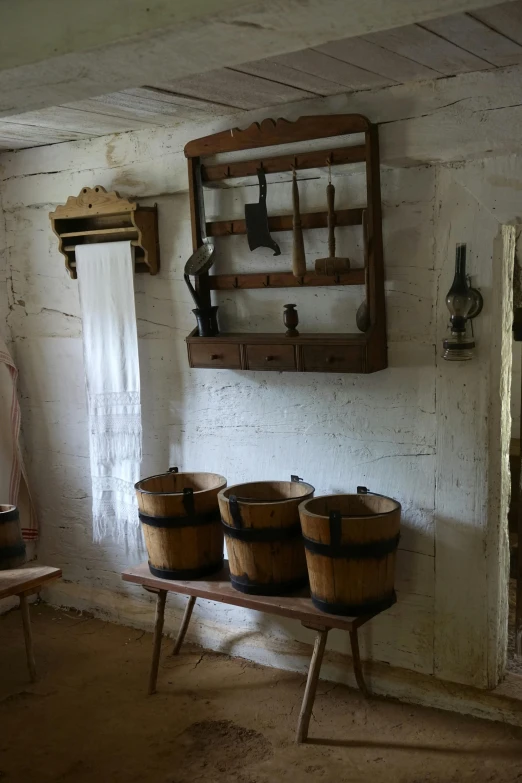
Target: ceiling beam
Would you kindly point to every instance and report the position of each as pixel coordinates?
(58, 51)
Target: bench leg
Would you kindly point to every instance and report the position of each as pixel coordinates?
(357, 668)
(28, 636)
(311, 686)
(184, 625)
(158, 632)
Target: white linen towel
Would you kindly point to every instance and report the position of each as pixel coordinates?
(14, 487)
(112, 374)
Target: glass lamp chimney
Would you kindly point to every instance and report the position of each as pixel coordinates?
(460, 301)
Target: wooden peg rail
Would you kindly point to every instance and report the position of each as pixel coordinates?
(283, 280)
(344, 217)
(362, 352)
(305, 160)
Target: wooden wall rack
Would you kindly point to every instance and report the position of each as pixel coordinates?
(96, 215)
(361, 352)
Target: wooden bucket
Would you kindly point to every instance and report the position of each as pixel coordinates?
(181, 524)
(350, 543)
(263, 535)
(12, 547)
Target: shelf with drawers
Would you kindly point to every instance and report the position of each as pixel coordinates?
(275, 352)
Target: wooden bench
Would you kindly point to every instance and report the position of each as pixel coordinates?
(24, 582)
(218, 588)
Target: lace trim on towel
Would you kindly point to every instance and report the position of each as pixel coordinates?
(108, 399)
(115, 426)
(116, 519)
(114, 484)
(114, 508)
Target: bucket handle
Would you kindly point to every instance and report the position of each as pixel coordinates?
(336, 521)
(188, 501)
(293, 477)
(235, 513)
(335, 528)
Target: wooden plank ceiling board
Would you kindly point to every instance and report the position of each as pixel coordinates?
(73, 120)
(429, 49)
(319, 64)
(231, 88)
(473, 35)
(505, 18)
(277, 72)
(366, 54)
(33, 135)
(155, 106)
(165, 99)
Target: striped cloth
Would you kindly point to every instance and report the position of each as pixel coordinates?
(14, 488)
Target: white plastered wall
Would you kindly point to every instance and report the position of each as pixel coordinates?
(429, 433)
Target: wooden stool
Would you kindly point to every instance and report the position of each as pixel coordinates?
(24, 582)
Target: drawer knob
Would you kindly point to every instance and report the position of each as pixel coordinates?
(269, 358)
(330, 359)
(216, 356)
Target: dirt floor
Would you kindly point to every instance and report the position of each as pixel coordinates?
(214, 718)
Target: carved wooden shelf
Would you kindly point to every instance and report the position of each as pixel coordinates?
(96, 215)
(362, 352)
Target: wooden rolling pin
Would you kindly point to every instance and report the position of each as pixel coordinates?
(298, 251)
(331, 265)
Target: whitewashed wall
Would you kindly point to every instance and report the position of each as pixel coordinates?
(515, 397)
(4, 271)
(422, 431)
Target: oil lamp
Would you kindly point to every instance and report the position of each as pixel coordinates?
(464, 303)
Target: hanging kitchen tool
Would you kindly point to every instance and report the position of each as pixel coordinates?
(298, 251)
(193, 291)
(256, 218)
(200, 262)
(362, 316)
(202, 258)
(331, 265)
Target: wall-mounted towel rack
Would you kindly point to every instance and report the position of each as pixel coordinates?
(96, 215)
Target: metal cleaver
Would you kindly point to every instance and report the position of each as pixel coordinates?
(256, 219)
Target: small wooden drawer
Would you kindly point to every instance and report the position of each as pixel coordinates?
(225, 355)
(328, 358)
(271, 357)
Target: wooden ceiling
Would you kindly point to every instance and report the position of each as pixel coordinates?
(484, 39)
